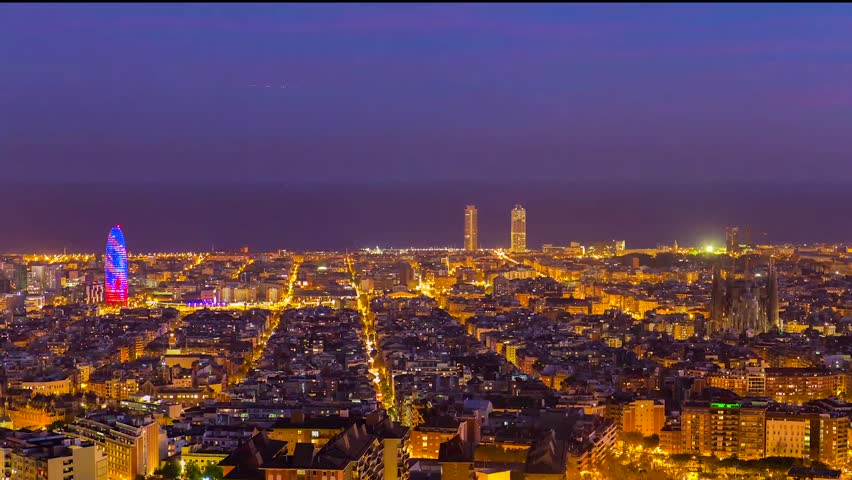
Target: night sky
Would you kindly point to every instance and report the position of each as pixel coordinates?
(350, 93)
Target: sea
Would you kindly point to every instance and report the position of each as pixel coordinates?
(174, 216)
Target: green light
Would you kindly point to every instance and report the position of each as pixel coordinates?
(708, 249)
(725, 405)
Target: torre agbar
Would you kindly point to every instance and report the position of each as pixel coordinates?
(116, 267)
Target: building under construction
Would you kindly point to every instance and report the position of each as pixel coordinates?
(744, 303)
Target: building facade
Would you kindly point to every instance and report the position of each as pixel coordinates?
(115, 265)
(519, 229)
(471, 231)
(47, 455)
(644, 416)
(752, 430)
(131, 443)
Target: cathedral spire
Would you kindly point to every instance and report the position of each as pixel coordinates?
(773, 319)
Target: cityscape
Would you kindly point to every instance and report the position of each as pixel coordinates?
(507, 241)
(565, 361)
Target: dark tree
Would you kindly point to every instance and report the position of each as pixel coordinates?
(651, 441)
(213, 472)
(169, 471)
(192, 472)
(632, 438)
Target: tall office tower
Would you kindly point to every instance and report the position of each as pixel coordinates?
(115, 264)
(471, 232)
(519, 229)
(20, 277)
(35, 279)
(53, 278)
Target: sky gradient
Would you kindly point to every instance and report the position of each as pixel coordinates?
(146, 93)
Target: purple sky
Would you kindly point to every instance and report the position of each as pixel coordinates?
(148, 92)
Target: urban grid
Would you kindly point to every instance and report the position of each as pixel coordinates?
(570, 361)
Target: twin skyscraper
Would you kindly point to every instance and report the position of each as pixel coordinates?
(518, 229)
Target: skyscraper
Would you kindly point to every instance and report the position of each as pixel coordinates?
(115, 264)
(471, 240)
(20, 277)
(519, 229)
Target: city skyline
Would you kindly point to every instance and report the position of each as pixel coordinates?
(199, 217)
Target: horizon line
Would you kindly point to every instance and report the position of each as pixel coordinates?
(699, 248)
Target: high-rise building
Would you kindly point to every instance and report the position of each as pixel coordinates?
(724, 429)
(115, 264)
(20, 277)
(35, 279)
(519, 229)
(753, 429)
(404, 274)
(94, 293)
(470, 229)
(132, 443)
(644, 416)
(44, 278)
(502, 288)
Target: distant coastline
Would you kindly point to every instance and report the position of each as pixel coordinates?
(331, 215)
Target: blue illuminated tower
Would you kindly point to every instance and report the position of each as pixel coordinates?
(116, 267)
